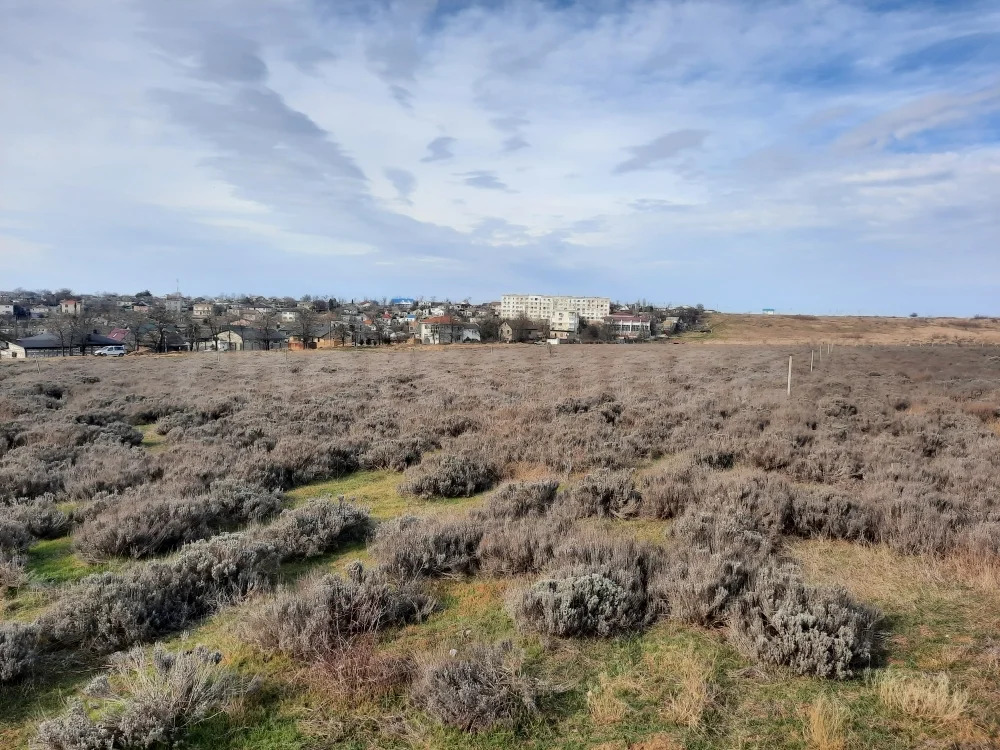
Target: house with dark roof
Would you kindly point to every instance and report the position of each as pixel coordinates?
(322, 336)
(245, 338)
(53, 345)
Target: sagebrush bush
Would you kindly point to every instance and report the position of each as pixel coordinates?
(147, 523)
(520, 545)
(738, 538)
(394, 453)
(111, 611)
(18, 650)
(606, 493)
(109, 468)
(13, 571)
(147, 701)
(14, 535)
(586, 604)
(324, 614)
(480, 688)
(700, 586)
(519, 499)
(668, 493)
(813, 631)
(294, 461)
(599, 588)
(452, 475)
(828, 514)
(316, 527)
(409, 546)
(41, 517)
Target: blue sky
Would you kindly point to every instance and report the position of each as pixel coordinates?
(815, 156)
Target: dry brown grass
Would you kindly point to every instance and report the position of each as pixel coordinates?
(605, 703)
(850, 330)
(693, 689)
(927, 697)
(677, 682)
(825, 725)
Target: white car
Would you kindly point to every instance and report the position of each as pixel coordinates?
(110, 351)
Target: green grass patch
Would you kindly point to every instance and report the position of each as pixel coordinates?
(378, 490)
(151, 439)
(54, 561)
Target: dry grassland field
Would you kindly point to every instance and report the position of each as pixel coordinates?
(848, 330)
(617, 547)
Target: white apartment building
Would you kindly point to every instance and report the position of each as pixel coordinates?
(541, 307)
(202, 309)
(563, 324)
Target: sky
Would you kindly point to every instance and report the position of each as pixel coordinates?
(816, 156)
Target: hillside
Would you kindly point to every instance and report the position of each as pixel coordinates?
(847, 330)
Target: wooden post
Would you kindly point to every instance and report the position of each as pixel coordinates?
(811, 354)
(789, 374)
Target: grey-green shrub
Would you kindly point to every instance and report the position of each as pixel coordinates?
(700, 586)
(147, 523)
(520, 545)
(519, 499)
(480, 688)
(323, 614)
(598, 588)
(315, 528)
(813, 631)
(606, 493)
(395, 454)
(14, 535)
(111, 611)
(452, 475)
(587, 604)
(18, 650)
(409, 546)
(148, 701)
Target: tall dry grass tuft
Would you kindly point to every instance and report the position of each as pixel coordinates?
(824, 728)
(696, 690)
(928, 697)
(604, 703)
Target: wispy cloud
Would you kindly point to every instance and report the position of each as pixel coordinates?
(483, 179)
(660, 149)
(404, 182)
(439, 149)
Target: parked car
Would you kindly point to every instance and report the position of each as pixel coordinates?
(110, 351)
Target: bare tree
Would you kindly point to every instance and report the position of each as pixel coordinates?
(305, 326)
(268, 321)
(62, 326)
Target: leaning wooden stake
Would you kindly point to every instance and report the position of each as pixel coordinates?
(789, 374)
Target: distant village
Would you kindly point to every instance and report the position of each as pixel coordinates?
(54, 324)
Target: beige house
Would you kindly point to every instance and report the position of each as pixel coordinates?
(71, 307)
(564, 324)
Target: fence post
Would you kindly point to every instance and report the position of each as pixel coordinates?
(811, 355)
(789, 374)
